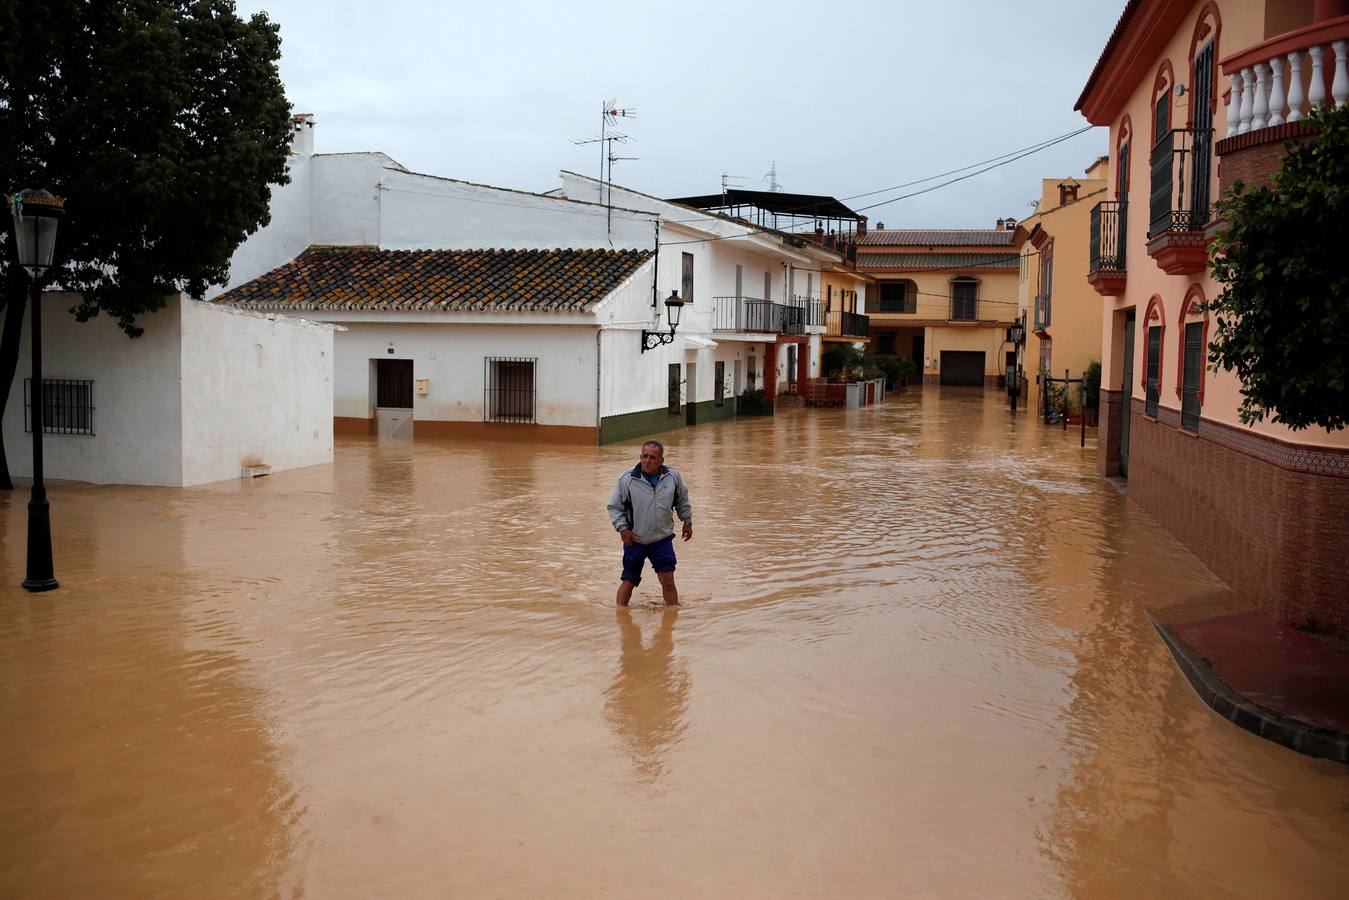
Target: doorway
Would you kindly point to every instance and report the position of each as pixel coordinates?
(691, 392)
(1126, 393)
(393, 397)
(962, 367)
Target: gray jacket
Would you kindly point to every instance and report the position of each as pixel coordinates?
(635, 504)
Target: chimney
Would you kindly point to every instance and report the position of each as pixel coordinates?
(302, 135)
(1067, 191)
(861, 227)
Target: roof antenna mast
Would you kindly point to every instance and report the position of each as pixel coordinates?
(610, 113)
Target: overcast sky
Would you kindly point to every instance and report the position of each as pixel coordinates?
(846, 98)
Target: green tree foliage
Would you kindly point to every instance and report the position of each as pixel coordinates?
(162, 123)
(1091, 385)
(841, 361)
(1283, 312)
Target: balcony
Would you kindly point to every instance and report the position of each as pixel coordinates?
(800, 313)
(1109, 225)
(1274, 87)
(1182, 163)
(846, 324)
(746, 314)
(1042, 314)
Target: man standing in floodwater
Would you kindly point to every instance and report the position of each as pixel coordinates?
(641, 510)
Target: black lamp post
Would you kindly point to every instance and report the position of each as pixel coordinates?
(653, 339)
(1017, 335)
(36, 213)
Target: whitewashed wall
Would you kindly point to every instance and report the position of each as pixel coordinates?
(423, 212)
(186, 402)
(451, 357)
(256, 389)
(137, 414)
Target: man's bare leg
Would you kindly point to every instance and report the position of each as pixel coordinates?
(668, 589)
(625, 592)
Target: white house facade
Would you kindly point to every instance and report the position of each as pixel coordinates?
(204, 394)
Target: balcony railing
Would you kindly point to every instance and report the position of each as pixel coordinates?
(1109, 224)
(746, 314)
(1182, 162)
(846, 324)
(1282, 79)
(1043, 312)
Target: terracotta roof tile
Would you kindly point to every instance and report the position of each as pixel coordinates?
(365, 278)
(891, 262)
(937, 237)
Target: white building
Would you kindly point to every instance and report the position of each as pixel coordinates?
(205, 393)
(541, 338)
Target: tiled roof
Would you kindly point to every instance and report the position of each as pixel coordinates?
(937, 237)
(870, 262)
(365, 278)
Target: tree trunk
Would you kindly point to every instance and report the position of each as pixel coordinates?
(9, 362)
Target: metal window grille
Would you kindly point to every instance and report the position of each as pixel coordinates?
(1154, 367)
(686, 277)
(67, 406)
(674, 389)
(510, 388)
(393, 383)
(964, 300)
(1194, 365)
(720, 394)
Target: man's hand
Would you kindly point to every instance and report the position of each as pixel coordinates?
(688, 531)
(627, 536)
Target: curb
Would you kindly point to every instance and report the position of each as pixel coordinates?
(1261, 720)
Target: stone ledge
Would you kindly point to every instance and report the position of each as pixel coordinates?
(1259, 720)
(1276, 134)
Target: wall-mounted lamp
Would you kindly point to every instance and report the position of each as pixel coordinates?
(1016, 334)
(653, 339)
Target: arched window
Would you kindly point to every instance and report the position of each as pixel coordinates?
(1202, 107)
(898, 297)
(1162, 87)
(1154, 333)
(964, 298)
(1122, 140)
(1193, 322)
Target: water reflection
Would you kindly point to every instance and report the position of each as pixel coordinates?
(646, 703)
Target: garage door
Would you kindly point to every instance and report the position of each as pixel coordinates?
(962, 367)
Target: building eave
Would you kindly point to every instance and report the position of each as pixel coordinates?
(1139, 36)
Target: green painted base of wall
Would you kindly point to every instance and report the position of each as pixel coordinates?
(627, 426)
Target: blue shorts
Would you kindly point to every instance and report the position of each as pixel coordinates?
(661, 553)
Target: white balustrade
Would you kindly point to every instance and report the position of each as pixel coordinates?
(1261, 106)
(1261, 97)
(1295, 97)
(1275, 116)
(1234, 105)
(1247, 98)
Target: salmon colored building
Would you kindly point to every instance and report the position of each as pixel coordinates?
(1062, 312)
(1198, 95)
(944, 298)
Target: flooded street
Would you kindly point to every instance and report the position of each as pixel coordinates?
(912, 660)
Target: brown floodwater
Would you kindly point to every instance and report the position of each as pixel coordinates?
(913, 660)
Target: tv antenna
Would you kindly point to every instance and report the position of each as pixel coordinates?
(726, 180)
(610, 113)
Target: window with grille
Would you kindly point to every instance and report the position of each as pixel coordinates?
(964, 299)
(67, 406)
(720, 392)
(1154, 369)
(686, 278)
(510, 389)
(1194, 368)
(674, 380)
(899, 297)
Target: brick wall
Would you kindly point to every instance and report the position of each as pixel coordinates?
(1254, 157)
(1268, 518)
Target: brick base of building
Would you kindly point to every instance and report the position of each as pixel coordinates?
(1111, 419)
(1269, 518)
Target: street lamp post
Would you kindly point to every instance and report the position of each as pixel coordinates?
(1016, 334)
(36, 213)
(653, 339)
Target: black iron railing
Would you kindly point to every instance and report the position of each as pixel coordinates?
(1182, 163)
(846, 324)
(1109, 224)
(1042, 312)
(746, 314)
(67, 406)
(509, 388)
